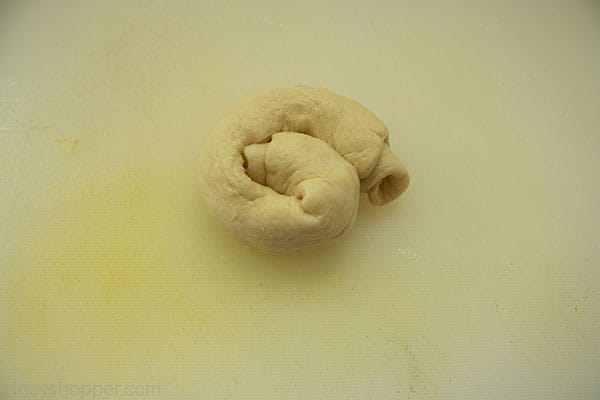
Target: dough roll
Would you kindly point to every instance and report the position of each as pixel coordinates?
(284, 170)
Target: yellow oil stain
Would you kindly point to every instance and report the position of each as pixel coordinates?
(97, 277)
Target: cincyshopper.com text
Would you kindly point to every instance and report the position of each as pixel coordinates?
(77, 391)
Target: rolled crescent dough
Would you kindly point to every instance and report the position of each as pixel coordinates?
(284, 169)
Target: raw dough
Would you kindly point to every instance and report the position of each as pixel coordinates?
(283, 170)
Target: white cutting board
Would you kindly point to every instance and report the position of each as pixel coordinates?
(481, 282)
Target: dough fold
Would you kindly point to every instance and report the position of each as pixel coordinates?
(284, 170)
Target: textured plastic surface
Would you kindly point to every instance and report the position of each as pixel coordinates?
(481, 282)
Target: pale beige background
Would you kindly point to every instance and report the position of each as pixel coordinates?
(482, 282)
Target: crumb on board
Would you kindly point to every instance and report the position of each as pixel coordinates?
(69, 143)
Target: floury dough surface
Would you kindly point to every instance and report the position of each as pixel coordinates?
(284, 170)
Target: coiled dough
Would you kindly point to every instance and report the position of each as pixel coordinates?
(284, 169)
